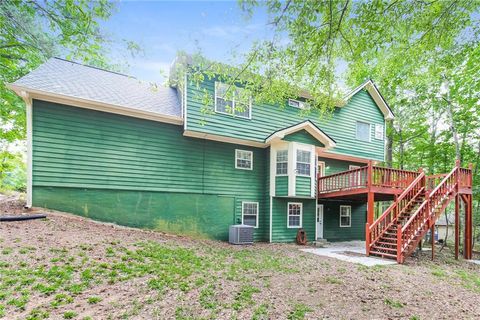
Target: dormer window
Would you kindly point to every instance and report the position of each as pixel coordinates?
(232, 100)
(297, 104)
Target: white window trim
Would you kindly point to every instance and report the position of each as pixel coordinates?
(340, 217)
(377, 125)
(369, 131)
(322, 165)
(251, 161)
(296, 161)
(233, 104)
(301, 105)
(288, 215)
(258, 208)
(276, 163)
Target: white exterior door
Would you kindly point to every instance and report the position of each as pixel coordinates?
(319, 226)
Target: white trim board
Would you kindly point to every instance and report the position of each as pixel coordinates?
(94, 105)
(377, 97)
(307, 126)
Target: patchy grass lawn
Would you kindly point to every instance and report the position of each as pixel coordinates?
(66, 267)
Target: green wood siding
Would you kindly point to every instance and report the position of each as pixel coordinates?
(266, 119)
(281, 186)
(303, 136)
(303, 186)
(85, 149)
(331, 216)
(280, 231)
(333, 166)
(197, 215)
(266, 225)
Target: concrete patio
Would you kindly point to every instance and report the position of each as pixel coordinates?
(351, 251)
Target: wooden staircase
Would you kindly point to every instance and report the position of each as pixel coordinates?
(398, 231)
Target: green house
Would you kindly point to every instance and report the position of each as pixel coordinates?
(112, 148)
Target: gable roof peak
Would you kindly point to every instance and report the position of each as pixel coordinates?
(372, 89)
(306, 125)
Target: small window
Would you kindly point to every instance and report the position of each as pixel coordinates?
(303, 163)
(345, 216)
(250, 214)
(363, 131)
(282, 162)
(297, 104)
(294, 215)
(243, 159)
(379, 132)
(232, 100)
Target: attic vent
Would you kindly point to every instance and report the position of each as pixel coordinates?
(240, 234)
(297, 104)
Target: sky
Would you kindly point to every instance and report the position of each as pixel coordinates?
(161, 28)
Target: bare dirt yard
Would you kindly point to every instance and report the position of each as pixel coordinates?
(67, 267)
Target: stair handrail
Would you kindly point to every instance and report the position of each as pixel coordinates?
(425, 211)
(393, 206)
(443, 181)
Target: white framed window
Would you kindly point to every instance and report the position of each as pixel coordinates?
(303, 163)
(379, 131)
(250, 213)
(345, 216)
(232, 100)
(363, 131)
(294, 215)
(243, 159)
(297, 104)
(282, 162)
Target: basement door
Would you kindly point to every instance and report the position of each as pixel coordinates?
(319, 226)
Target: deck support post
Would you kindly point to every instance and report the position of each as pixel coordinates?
(457, 209)
(370, 195)
(367, 239)
(467, 242)
(432, 231)
(457, 224)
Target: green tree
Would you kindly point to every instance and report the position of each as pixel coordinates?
(33, 31)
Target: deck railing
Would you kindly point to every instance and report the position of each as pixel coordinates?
(364, 177)
(397, 208)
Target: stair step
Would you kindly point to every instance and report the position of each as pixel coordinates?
(384, 255)
(385, 248)
(387, 243)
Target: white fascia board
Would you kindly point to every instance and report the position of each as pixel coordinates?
(377, 97)
(94, 105)
(315, 132)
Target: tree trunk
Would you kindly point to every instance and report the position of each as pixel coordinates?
(389, 158)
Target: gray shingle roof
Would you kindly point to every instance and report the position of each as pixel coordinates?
(80, 81)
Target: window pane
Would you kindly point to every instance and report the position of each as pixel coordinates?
(244, 159)
(250, 213)
(294, 221)
(282, 155)
(242, 110)
(345, 221)
(223, 105)
(363, 131)
(250, 220)
(303, 156)
(379, 131)
(303, 162)
(303, 169)
(282, 168)
(282, 161)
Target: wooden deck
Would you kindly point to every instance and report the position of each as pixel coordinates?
(356, 184)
